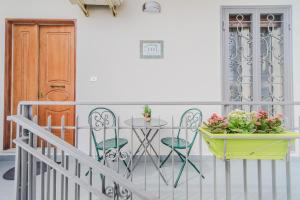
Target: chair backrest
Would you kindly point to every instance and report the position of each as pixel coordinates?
(102, 118)
(191, 119)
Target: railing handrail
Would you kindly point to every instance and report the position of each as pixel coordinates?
(75, 153)
(58, 168)
(170, 103)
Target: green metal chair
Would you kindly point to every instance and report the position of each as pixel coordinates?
(103, 118)
(191, 119)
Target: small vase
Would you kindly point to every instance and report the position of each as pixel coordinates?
(147, 119)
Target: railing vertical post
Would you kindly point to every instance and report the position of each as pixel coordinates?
(34, 163)
(215, 177)
(245, 179)
(200, 166)
(25, 175)
(62, 180)
(288, 172)
(145, 156)
(31, 166)
(118, 154)
(49, 156)
(18, 158)
(90, 142)
(274, 192)
(186, 159)
(30, 174)
(42, 171)
(54, 185)
(259, 179)
(67, 179)
(76, 160)
(90, 154)
(78, 174)
(227, 172)
(104, 159)
(118, 149)
(131, 156)
(158, 160)
(24, 159)
(173, 190)
(18, 168)
(54, 173)
(65, 157)
(228, 181)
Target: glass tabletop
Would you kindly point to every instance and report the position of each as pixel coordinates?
(140, 122)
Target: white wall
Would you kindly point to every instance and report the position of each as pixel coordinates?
(109, 48)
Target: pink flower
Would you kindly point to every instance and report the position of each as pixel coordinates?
(216, 119)
(261, 114)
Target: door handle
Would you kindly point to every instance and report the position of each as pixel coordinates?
(57, 86)
(41, 95)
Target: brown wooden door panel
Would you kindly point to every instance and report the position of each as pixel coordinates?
(39, 66)
(24, 79)
(57, 75)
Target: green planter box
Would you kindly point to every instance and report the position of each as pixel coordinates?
(249, 146)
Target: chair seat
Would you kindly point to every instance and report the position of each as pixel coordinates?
(112, 143)
(178, 143)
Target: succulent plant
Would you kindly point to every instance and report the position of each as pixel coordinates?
(147, 111)
(241, 122)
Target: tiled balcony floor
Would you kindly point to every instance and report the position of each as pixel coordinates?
(7, 187)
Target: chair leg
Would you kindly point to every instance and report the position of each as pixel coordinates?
(190, 162)
(127, 168)
(196, 169)
(179, 175)
(124, 162)
(181, 158)
(100, 158)
(163, 162)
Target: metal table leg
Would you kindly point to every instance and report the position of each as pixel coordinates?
(136, 152)
(146, 152)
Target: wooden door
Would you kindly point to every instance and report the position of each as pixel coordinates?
(57, 75)
(39, 66)
(24, 80)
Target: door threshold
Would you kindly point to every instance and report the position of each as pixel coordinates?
(7, 152)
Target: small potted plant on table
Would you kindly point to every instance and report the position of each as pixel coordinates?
(147, 113)
(247, 135)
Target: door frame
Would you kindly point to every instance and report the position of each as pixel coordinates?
(9, 22)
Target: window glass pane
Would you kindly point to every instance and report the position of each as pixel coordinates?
(272, 60)
(240, 58)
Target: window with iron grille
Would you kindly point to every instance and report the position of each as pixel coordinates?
(256, 57)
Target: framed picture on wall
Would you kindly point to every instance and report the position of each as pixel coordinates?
(152, 49)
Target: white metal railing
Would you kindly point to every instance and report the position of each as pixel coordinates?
(28, 155)
(163, 188)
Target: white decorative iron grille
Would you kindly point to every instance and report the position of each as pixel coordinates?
(272, 59)
(240, 58)
(256, 56)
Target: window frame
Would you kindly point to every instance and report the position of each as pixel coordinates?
(256, 11)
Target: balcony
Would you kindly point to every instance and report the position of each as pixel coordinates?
(73, 172)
